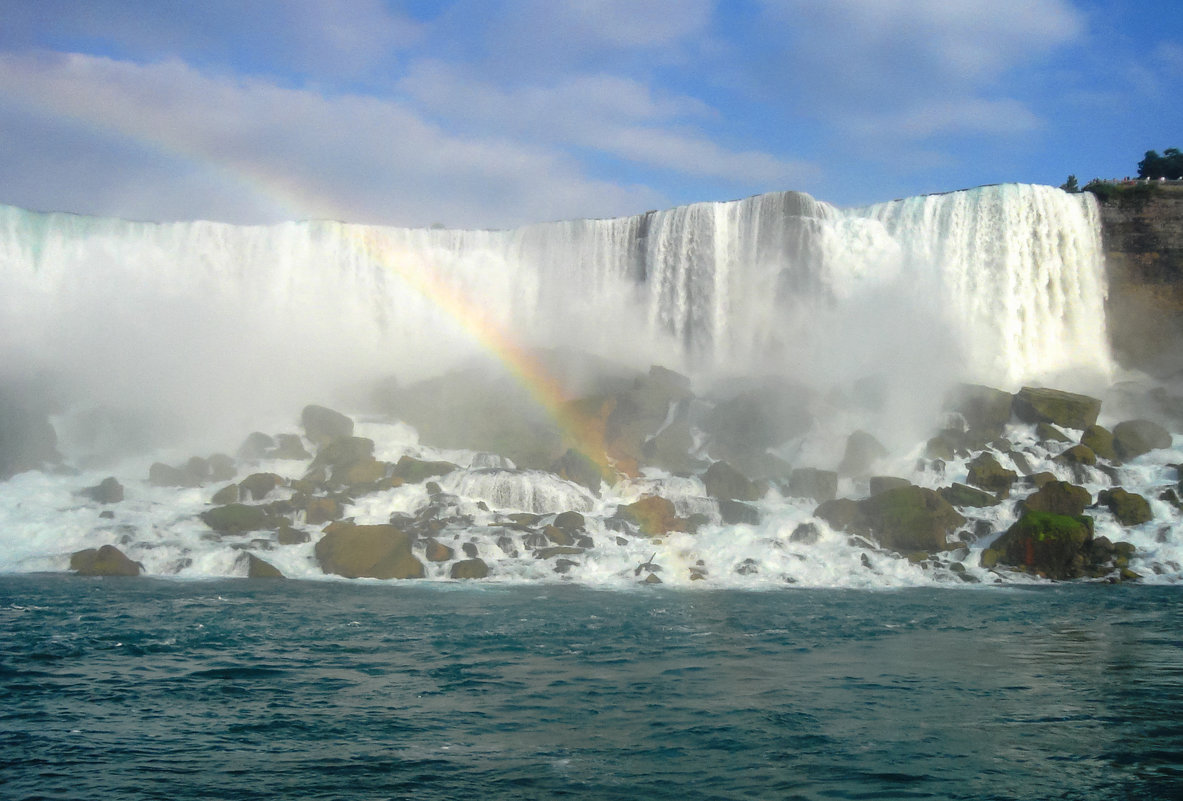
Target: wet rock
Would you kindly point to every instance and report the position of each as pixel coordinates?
(862, 452)
(362, 473)
(470, 550)
(226, 495)
(558, 536)
(557, 550)
(506, 544)
(221, 467)
(470, 569)
(109, 490)
(564, 565)
(163, 475)
(724, 482)
(652, 578)
(1078, 455)
(381, 551)
(984, 409)
(653, 515)
(1129, 508)
(255, 446)
(1049, 433)
(748, 567)
(341, 453)
(1037, 480)
(569, 521)
(738, 513)
(260, 569)
(258, 485)
(289, 447)
(809, 482)
(416, 471)
(744, 426)
(1099, 440)
(237, 518)
(289, 535)
(577, 468)
(943, 446)
(1066, 409)
(1059, 498)
(1048, 544)
(670, 447)
(905, 519)
(322, 510)
(879, 484)
(105, 561)
(323, 425)
(986, 472)
(1136, 437)
(436, 551)
(27, 438)
(963, 495)
(805, 534)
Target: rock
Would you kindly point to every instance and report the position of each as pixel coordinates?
(322, 510)
(1058, 498)
(862, 452)
(260, 569)
(1049, 433)
(557, 550)
(289, 535)
(653, 515)
(904, 519)
(416, 471)
(670, 447)
(341, 453)
(255, 446)
(985, 409)
(805, 534)
(226, 495)
(105, 561)
(1129, 508)
(743, 427)
(1066, 409)
(27, 438)
(1078, 455)
(1037, 480)
(470, 550)
(569, 521)
(289, 447)
(577, 468)
(470, 569)
(558, 536)
(361, 473)
(381, 551)
(109, 490)
(236, 518)
(738, 513)
(724, 482)
(943, 446)
(651, 579)
(809, 482)
(258, 485)
(962, 495)
(986, 472)
(564, 565)
(323, 425)
(436, 551)
(163, 475)
(221, 467)
(1048, 544)
(1099, 440)
(1136, 437)
(879, 484)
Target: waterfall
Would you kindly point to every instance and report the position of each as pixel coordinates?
(1000, 284)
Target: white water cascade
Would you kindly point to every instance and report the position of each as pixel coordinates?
(998, 284)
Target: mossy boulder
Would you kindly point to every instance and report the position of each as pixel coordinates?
(360, 473)
(735, 513)
(322, 510)
(724, 482)
(343, 452)
(1099, 440)
(436, 551)
(880, 484)
(963, 495)
(416, 471)
(105, 561)
(809, 482)
(1059, 498)
(258, 485)
(987, 473)
(323, 425)
(1129, 508)
(381, 551)
(226, 495)
(1078, 455)
(1049, 433)
(1048, 544)
(570, 521)
(237, 518)
(862, 452)
(470, 569)
(904, 519)
(1066, 409)
(287, 534)
(1133, 438)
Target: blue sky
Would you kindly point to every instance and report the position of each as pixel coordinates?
(494, 113)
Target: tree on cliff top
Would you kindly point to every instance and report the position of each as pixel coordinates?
(1169, 165)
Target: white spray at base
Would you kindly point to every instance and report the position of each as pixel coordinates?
(230, 326)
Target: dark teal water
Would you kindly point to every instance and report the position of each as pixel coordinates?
(145, 689)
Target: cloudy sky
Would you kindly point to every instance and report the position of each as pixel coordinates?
(494, 113)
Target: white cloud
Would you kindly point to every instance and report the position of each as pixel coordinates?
(959, 116)
(354, 157)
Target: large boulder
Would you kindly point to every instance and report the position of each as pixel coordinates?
(905, 519)
(323, 425)
(105, 561)
(1055, 546)
(963, 495)
(381, 551)
(345, 451)
(809, 482)
(987, 473)
(416, 471)
(862, 452)
(474, 568)
(724, 482)
(576, 467)
(653, 515)
(109, 490)
(744, 426)
(163, 475)
(1066, 409)
(1059, 498)
(237, 518)
(257, 485)
(1129, 508)
(27, 439)
(1136, 437)
(257, 568)
(1099, 440)
(985, 409)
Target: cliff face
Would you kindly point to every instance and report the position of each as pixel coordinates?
(1142, 231)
